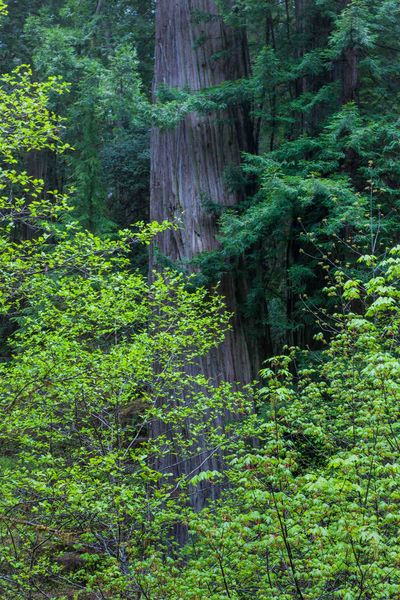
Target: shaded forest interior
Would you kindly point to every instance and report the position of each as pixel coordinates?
(200, 299)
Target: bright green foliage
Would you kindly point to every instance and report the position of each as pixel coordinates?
(27, 123)
(312, 504)
(312, 508)
(312, 511)
(96, 357)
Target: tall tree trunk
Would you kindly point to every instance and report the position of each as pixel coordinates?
(195, 49)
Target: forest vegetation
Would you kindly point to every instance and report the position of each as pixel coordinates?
(200, 299)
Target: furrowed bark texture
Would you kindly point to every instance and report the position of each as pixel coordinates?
(195, 49)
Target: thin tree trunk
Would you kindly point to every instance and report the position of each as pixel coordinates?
(195, 49)
(349, 69)
(350, 75)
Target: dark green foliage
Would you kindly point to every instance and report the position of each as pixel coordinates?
(325, 102)
(104, 50)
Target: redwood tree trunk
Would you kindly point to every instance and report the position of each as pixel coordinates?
(188, 162)
(195, 49)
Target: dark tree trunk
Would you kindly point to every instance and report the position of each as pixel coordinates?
(188, 162)
(350, 75)
(195, 49)
(349, 69)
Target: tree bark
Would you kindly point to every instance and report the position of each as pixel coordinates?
(188, 163)
(195, 50)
